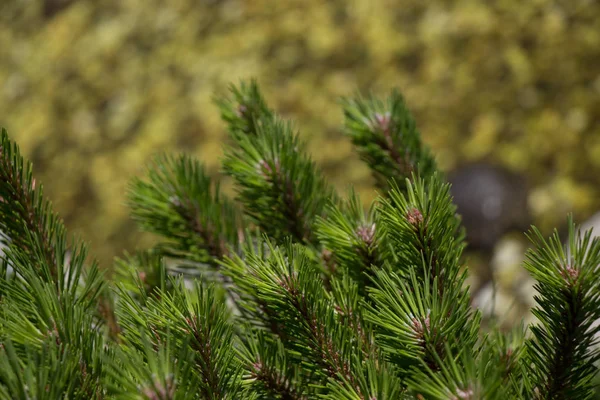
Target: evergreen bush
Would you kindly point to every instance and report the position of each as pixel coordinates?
(289, 291)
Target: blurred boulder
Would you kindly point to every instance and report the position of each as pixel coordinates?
(492, 202)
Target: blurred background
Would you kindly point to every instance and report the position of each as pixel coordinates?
(506, 92)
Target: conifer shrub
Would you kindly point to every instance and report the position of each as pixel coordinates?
(288, 291)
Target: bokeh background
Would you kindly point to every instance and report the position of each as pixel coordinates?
(92, 89)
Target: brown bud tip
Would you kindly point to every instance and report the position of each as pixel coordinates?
(570, 274)
(159, 390)
(175, 201)
(417, 327)
(241, 110)
(464, 394)
(257, 367)
(263, 167)
(414, 216)
(421, 327)
(366, 234)
(383, 121)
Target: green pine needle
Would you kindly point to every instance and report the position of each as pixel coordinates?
(387, 139)
(294, 294)
(564, 348)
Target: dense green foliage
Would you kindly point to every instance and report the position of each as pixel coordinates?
(288, 291)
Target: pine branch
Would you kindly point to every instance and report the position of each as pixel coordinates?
(562, 350)
(246, 272)
(34, 317)
(424, 231)
(143, 274)
(290, 286)
(277, 183)
(33, 305)
(26, 219)
(462, 377)
(508, 353)
(379, 382)
(48, 373)
(386, 137)
(419, 300)
(349, 305)
(237, 268)
(383, 313)
(270, 370)
(414, 324)
(198, 320)
(176, 201)
(351, 239)
(162, 373)
(246, 111)
(49, 305)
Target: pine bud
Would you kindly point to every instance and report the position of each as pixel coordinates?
(418, 327)
(257, 368)
(366, 234)
(570, 274)
(265, 169)
(414, 217)
(464, 394)
(175, 201)
(241, 110)
(380, 122)
(158, 391)
(383, 121)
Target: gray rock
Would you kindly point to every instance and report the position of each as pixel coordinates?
(492, 202)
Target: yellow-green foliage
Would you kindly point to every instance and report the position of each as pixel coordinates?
(92, 91)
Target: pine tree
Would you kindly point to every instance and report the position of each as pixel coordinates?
(287, 291)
